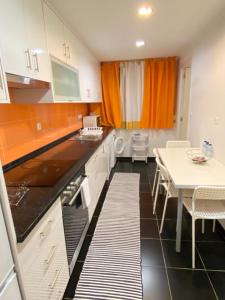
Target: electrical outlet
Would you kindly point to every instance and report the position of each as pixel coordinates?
(39, 126)
(79, 117)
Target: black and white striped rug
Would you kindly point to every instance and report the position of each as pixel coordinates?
(112, 269)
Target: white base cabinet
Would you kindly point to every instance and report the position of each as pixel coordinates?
(97, 170)
(43, 259)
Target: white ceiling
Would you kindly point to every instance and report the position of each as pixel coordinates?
(111, 27)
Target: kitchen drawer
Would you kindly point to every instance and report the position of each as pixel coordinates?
(57, 277)
(41, 236)
(43, 281)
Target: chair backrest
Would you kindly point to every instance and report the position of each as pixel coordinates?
(209, 193)
(178, 144)
(163, 170)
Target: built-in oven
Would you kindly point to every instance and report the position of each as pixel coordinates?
(75, 216)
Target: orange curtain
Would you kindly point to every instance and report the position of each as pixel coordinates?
(160, 82)
(111, 113)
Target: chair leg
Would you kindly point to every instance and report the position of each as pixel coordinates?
(164, 212)
(214, 225)
(156, 195)
(203, 226)
(193, 243)
(154, 182)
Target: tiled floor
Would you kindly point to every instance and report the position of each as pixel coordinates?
(166, 274)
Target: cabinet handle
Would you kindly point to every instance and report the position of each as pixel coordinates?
(28, 60)
(44, 233)
(68, 48)
(51, 285)
(64, 49)
(88, 93)
(36, 62)
(50, 256)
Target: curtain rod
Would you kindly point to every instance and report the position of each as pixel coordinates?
(139, 59)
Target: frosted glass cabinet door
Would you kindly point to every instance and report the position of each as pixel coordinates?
(65, 82)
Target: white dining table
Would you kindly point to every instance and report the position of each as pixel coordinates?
(187, 175)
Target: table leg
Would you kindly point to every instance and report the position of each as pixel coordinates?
(179, 219)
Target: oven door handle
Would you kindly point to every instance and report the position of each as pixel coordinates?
(75, 195)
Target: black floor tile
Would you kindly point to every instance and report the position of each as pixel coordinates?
(218, 281)
(145, 188)
(182, 259)
(146, 211)
(212, 254)
(98, 209)
(145, 198)
(151, 253)
(149, 229)
(84, 248)
(155, 284)
(190, 285)
(169, 230)
(92, 226)
(171, 210)
(74, 278)
(209, 235)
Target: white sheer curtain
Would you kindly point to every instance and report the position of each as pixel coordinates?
(131, 89)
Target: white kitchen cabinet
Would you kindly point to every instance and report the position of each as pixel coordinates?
(4, 97)
(71, 53)
(97, 171)
(43, 259)
(37, 42)
(65, 46)
(90, 78)
(23, 39)
(55, 34)
(13, 38)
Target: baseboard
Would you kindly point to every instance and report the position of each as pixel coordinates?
(129, 159)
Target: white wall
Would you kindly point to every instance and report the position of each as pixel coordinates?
(207, 102)
(157, 138)
(207, 107)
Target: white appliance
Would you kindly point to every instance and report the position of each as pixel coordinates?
(9, 288)
(91, 121)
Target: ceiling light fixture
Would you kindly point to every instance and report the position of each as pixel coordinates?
(145, 11)
(140, 43)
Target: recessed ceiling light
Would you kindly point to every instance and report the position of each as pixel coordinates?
(145, 11)
(140, 43)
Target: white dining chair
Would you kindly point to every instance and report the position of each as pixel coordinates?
(178, 144)
(156, 155)
(171, 191)
(207, 203)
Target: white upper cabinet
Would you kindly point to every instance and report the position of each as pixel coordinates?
(13, 38)
(23, 40)
(90, 78)
(37, 42)
(63, 45)
(55, 34)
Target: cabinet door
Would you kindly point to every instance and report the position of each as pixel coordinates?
(55, 34)
(71, 53)
(13, 38)
(37, 43)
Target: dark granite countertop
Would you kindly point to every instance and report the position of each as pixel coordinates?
(43, 177)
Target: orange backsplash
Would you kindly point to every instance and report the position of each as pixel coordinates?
(18, 126)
